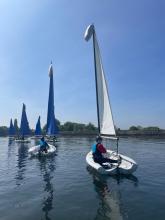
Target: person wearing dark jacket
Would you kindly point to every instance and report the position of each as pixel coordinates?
(97, 150)
(43, 145)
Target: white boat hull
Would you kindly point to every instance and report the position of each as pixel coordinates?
(126, 166)
(34, 151)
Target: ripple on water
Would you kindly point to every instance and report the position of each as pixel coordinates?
(61, 187)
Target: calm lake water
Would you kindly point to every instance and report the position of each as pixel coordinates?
(62, 188)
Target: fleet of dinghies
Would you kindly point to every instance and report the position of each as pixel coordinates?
(51, 128)
(106, 128)
(124, 164)
(24, 131)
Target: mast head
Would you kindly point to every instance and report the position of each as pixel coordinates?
(50, 69)
(89, 32)
(24, 106)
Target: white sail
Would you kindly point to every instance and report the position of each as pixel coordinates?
(89, 32)
(105, 113)
(106, 123)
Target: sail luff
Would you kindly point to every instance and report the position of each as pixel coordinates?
(51, 122)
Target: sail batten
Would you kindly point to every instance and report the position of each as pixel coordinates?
(51, 121)
(105, 118)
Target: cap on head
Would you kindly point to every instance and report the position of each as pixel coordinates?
(99, 139)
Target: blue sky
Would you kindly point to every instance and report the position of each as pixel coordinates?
(131, 37)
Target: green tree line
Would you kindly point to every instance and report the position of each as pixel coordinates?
(67, 126)
(140, 128)
(74, 127)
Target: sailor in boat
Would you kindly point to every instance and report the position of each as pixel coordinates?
(43, 145)
(98, 150)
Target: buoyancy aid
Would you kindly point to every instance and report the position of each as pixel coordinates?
(96, 153)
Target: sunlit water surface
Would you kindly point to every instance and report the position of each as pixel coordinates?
(62, 188)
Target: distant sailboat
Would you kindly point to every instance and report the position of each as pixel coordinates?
(52, 128)
(24, 127)
(38, 131)
(104, 114)
(12, 132)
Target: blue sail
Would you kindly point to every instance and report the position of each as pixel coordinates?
(11, 129)
(38, 128)
(24, 128)
(52, 128)
(16, 126)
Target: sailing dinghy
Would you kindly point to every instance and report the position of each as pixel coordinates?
(51, 128)
(124, 164)
(24, 128)
(35, 151)
(51, 122)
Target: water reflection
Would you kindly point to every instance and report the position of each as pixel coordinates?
(22, 159)
(11, 141)
(121, 178)
(47, 167)
(110, 206)
(10, 147)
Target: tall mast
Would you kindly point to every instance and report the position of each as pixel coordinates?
(97, 98)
